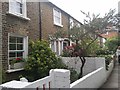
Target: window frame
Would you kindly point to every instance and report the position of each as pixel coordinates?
(59, 17)
(25, 47)
(22, 15)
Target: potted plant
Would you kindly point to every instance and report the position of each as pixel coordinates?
(18, 63)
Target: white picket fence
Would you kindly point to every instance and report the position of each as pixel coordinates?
(60, 78)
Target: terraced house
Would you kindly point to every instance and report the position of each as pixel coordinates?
(23, 21)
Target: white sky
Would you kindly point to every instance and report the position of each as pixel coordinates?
(73, 7)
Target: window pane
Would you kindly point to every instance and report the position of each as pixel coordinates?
(19, 46)
(12, 47)
(57, 48)
(19, 54)
(52, 46)
(12, 39)
(19, 40)
(19, 7)
(57, 20)
(21, 10)
(65, 44)
(57, 13)
(12, 54)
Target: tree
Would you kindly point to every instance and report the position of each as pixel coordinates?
(113, 43)
(92, 28)
(87, 34)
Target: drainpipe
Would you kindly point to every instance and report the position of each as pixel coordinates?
(40, 26)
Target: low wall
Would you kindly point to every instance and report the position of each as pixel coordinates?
(111, 65)
(60, 78)
(91, 80)
(94, 79)
(92, 63)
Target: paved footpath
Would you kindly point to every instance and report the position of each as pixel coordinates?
(113, 82)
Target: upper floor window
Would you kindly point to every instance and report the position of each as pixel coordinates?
(17, 7)
(57, 17)
(71, 23)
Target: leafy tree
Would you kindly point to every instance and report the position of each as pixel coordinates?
(113, 43)
(91, 30)
(87, 34)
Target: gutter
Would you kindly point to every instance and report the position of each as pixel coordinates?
(40, 26)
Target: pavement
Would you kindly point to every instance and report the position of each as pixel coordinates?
(113, 82)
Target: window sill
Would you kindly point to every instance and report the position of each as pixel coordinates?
(14, 70)
(18, 15)
(58, 25)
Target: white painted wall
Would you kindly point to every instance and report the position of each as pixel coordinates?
(111, 65)
(94, 79)
(92, 63)
(60, 78)
(91, 80)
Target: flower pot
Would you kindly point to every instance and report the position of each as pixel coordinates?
(19, 65)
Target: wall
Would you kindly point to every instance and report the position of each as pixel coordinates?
(111, 66)
(94, 79)
(91, 80)
(16, 25)
(60, 78)
(92, 63)
(47, 24)
(0, 42)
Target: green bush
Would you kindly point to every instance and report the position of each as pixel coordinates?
(113, 43)
(108, 59)
(103, 52)
(40, 60)
(73, 75)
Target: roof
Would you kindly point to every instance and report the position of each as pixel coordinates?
(110, 35)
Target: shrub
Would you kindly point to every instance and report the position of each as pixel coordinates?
(108, 59)
(40, 60)
(73, 75)
(103, 52)
(113, 43)
(68, 50)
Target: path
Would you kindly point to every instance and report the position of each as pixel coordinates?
(113, 81)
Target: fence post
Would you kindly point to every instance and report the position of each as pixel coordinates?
(61, 78)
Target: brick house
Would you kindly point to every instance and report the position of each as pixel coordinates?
(22, 21)
(54, 19)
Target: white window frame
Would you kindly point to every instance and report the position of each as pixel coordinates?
(25, 46)
(54, 17)
(59, 44)
(71, 23)
(12, 9)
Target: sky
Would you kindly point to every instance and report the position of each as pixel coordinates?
(73, 7)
